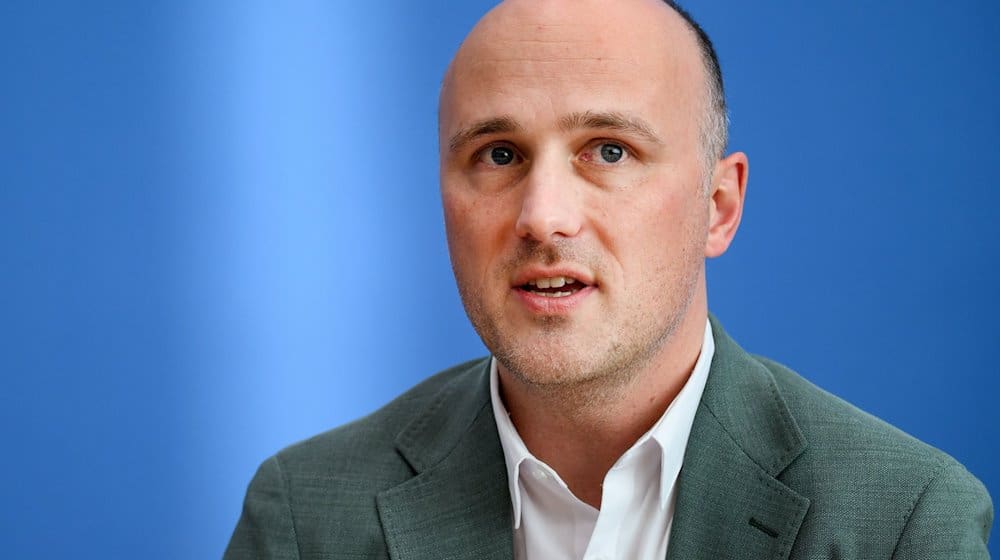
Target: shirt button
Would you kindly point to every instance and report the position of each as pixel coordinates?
(539, 474)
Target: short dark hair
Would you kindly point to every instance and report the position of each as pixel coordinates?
(715, 128)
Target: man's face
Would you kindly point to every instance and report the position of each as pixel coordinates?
(572, 185)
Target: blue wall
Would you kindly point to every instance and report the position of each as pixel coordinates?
(220, 233)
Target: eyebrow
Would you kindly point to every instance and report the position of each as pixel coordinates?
(610, 120)
(497, 125)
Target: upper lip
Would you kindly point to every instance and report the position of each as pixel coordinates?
(526, 275)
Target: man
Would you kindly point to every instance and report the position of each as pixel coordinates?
(583, 184)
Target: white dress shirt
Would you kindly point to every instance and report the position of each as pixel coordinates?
(637, 501)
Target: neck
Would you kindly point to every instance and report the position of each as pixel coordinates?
(582, 430)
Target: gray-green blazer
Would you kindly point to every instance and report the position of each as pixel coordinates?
(775, 468)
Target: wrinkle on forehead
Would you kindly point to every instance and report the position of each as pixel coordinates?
(519, 74)
(548, 43)
(515, 55)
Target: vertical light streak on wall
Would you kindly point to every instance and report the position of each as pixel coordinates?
(271, 220)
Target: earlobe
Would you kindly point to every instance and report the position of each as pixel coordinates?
(726, 202)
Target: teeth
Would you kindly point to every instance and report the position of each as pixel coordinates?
(554, 294)
(552, 282)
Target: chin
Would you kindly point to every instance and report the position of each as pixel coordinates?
(548, 366)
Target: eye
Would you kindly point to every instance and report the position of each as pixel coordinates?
(498, 156)
(605, 153)
(611, 153)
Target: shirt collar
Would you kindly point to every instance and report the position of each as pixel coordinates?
(670, 432)
(673, 429)
(514, 450)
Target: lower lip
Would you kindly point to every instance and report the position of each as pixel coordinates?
(543, 305)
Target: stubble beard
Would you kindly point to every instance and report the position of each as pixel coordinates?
(574, 372)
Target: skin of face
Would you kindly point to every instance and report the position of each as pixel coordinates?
(569, 140)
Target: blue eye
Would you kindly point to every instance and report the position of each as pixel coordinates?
(605, 153)
(612, 153)
(501, 155)
(498, 155)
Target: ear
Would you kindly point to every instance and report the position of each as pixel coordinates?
(729, 185)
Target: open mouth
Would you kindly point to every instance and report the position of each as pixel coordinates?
(553, 287)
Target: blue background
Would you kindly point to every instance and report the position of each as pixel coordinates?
(220, 233)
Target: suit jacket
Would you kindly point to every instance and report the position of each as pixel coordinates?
(774, 468)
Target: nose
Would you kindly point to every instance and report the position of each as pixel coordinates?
(550, 204)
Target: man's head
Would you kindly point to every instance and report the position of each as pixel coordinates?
(575, 144)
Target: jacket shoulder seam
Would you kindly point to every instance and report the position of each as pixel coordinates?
(286, 483)
(943, 466)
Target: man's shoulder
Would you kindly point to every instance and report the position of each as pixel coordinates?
(370, 442)
(321, 493)
(838, 431)
(860, 471)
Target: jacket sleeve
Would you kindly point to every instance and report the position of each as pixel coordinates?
(950, 519)
(266, 529)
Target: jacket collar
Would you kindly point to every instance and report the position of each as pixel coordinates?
(730, 503)
(457, 505)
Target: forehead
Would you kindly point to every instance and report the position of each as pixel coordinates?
(558, 59)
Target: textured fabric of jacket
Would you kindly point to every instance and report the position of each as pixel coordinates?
(774, 468)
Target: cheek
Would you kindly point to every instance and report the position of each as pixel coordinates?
(659, 233)
(459, 228)
(476, 233)
(465, 217)
(454, 209)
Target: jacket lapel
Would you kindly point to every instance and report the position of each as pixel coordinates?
(730, 503)
(458, 504)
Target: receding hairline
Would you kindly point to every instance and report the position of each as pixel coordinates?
(715, 125)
